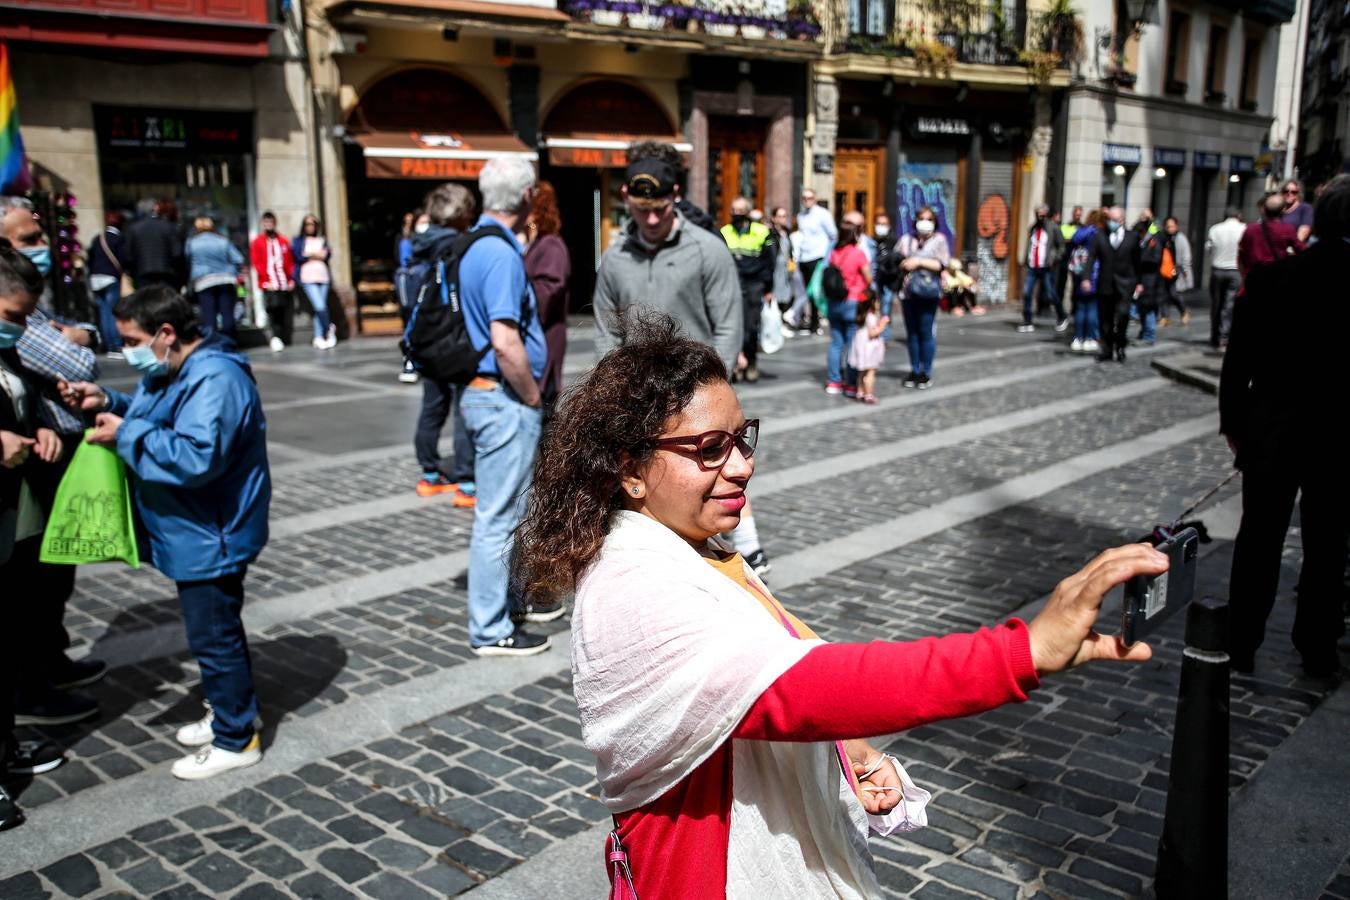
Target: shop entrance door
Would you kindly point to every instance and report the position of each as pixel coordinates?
(735, 165)
(857, 181)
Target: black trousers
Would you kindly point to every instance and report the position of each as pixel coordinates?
(215, 307)
(437, 400)
(1268, 493)
(1113, 318)
(1223, 288)
(281, 311)
(35, 638)
(752, 300)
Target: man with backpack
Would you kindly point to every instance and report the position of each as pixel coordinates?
(449, 209)
(501, 403)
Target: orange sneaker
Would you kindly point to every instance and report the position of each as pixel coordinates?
(463, 500)
(429, 488)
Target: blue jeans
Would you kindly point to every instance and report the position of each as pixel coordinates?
(505, 434)
(1047, 279)
(921, 332)
(843, 318)
(1085, 318)
(1148, 325)
(107, 323)
(318, 299)
(216, 637)
(217, 302)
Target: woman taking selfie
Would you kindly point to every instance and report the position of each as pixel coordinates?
(730, 741)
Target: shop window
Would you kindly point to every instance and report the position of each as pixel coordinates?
(1251, 74)
(1216, 57)
(1164, 192)
(1178, 53)
(1116, 184)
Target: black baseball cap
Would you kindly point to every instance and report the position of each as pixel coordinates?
(650, 179)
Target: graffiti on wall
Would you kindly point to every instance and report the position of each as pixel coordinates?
(991, 246)
(927, 184)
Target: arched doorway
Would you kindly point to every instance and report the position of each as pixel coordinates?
(587, 132)
(411, 129)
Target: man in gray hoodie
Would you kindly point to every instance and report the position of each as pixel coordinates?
(665, 264)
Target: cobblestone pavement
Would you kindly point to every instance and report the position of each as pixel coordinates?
(401, 766)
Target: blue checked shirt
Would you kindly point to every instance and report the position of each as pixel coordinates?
(49, 355)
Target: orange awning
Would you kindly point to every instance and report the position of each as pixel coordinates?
(445, 156)
(601, 151)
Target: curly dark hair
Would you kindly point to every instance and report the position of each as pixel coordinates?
(606, 425)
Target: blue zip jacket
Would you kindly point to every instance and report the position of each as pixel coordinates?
(211, 253)
(1085, 237)
(197, 448)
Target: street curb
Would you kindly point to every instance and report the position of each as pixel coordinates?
(1193, 370)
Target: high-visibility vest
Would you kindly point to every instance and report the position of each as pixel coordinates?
(749, 245)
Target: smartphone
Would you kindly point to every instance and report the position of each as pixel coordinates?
(1149, 599)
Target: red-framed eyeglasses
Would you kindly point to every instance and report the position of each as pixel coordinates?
(712, 449)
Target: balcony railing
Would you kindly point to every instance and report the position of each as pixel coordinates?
(988, 33)
(728, 18)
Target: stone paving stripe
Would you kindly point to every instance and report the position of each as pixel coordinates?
(797, 476)
(290, 526)
(1286, 827)
(323, 374)
(371, 391)
(56, 830)
(913, 397)
(865, 543)
(759, 389)
(354, 457)
(168, 640)
(570, 868)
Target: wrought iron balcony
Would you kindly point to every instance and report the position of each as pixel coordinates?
(744, 19)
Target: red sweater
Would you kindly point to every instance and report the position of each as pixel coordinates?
(272, 260)
(677, 844)
(852, 264)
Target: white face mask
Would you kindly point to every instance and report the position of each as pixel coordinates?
(421, 227)
(924, 226)
(882, 230)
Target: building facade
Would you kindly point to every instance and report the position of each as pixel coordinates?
(1171, 109)
(199, 101)
(1324, 126)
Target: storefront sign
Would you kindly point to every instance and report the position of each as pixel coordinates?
(1169, 158)
(941, 125)
(412, 167)
(187, 131)
(1241, 164)
(1203, 161)
(1124, 154)
(589, 157)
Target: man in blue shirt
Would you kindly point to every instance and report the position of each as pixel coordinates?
(501, 406)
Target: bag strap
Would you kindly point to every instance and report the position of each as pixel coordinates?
(620, 870)
(103, 242)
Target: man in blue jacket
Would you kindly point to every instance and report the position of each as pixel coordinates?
(194, 440)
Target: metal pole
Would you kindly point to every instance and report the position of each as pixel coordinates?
(1193, 851)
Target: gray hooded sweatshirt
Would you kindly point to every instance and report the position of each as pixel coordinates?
(691, 277)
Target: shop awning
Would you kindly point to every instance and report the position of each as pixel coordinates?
(600, 151)
(449, 156)
(460, 10)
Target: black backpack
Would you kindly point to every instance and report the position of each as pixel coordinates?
(436, 339)
(832, 284)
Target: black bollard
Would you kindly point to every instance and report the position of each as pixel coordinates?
(1193, 851)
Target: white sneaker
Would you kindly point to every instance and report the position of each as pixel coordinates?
(210, 760)
(319, 343)
(200, 732)
(408, 375)
(1025, 329)
(331, 336)
(1076, 345)
(1091, 346)
(276, 345)
(1062, 325)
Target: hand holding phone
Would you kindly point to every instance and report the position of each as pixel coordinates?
(1150, 599)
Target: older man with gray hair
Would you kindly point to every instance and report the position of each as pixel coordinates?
(502, 406)
(1045, 245)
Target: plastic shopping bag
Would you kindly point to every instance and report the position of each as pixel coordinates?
(815, 290)
(91, 518)
(770, 328)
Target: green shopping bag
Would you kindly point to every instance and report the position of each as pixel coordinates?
(91, 518)
(815, 290)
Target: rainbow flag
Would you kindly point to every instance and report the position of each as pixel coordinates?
(14, 176)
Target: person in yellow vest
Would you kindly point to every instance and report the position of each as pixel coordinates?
(751, 244)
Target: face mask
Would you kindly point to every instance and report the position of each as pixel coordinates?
(40, 257)
(924, 226)
(882, 230)
(143, 360)
(739, 220)
(9, 334)
(1113, 225)
(421, 227)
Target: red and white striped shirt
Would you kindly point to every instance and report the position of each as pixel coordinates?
(1040, 246)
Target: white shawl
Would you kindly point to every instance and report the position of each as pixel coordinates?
(668, 655)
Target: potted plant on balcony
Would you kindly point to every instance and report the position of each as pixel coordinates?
(1041, 65)
(802, 23)
(1059, 30)
(934, 57)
